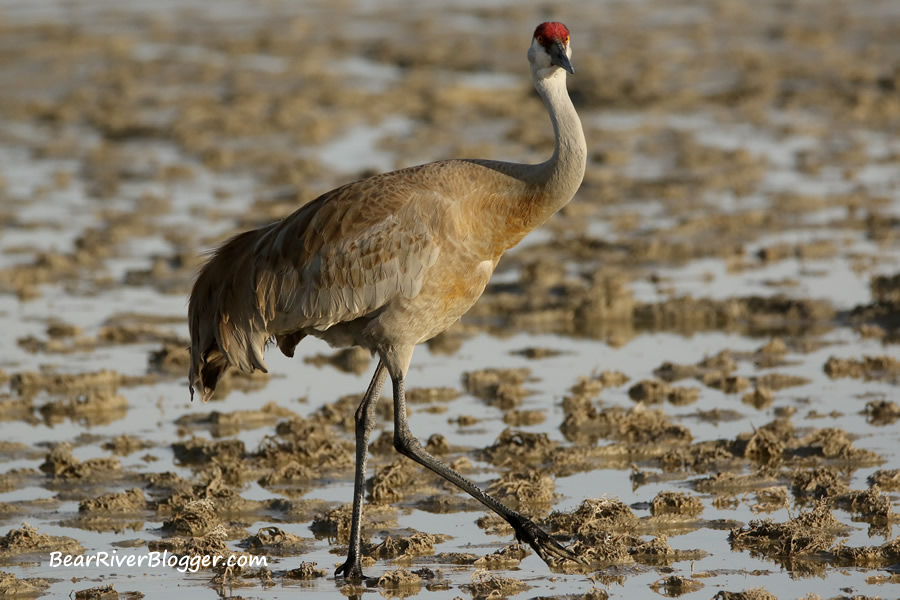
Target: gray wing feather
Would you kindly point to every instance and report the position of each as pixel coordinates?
(351, 277)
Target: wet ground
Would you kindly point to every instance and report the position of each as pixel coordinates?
(690, 374)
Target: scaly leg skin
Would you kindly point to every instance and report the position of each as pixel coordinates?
(526, 531)
(365, 422)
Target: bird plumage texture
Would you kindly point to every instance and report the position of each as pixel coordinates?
(413, 240)
(386, 263)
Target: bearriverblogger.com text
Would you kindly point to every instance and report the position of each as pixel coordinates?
(153, 559)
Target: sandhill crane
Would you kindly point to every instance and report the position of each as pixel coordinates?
(386, 263)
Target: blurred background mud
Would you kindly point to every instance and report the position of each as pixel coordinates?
(691, 372)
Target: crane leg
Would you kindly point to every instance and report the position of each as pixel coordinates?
(526, 531)
(365, 422)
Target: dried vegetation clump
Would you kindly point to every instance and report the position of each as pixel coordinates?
(499, 387)
(886, 479)
(527, 491)
(869, 368)
(130, 501)
(100, 592)
(676, 585)
(751, 594)
(399, 579)
(504, 558)
(872, 556)
(275, 541)
(61, 464)
(306, 570)
(636, 426)
(406, 547)
(809, 533)
(485, 585)
(13, 587)
(516, 447)
(675, 503)
(27, 540)
(335, 522)
(594, 518)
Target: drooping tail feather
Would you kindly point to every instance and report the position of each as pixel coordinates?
(227, 325)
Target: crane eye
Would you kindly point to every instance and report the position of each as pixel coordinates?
(540, 40)
(567, 40)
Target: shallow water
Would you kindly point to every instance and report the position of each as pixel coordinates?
(210, 204)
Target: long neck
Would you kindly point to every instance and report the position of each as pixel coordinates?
(559, 177)
(527, 195)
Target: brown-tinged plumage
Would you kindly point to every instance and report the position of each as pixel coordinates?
(386, 263)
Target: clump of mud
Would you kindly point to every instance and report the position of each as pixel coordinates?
(60, 464)
(212, 543)
(93, 408)
(528, 491)
(274, 541)
(869, 368)
(886, 479)
(606, 533)
(771, 499)
(882, 412)
(818, 483)
(504, 558)
(675, 503)
(13, 587)
(306, 570)
(194, 519)
(594, 518)
(29, 382)
(406, 547)
(807, 534)
(309, 442)
(500, 387)
(751, 594)
(524, 418)
(489, 585)
(245, 99)
(687, 314)
(336, 522)
(128, 502)
(224, 424)
(400, 579)
(771, 445)
(515, 448)
(349, 360)
(654, 392)
(126, 444)
(397, 480)
(100, 592)
(676, 585)
(27, 540)
(871, 556)
(871, 505)
(760, 398)
(198, 451)
(585, 423)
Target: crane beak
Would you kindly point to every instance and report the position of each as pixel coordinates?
(559, 57)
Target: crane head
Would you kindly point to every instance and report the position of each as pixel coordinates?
(550, 46)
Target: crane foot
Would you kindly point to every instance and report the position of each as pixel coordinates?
(546, 547)
(351, 569)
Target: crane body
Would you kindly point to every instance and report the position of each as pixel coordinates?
(387, 263)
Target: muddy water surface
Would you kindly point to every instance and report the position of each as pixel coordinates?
(690, 374)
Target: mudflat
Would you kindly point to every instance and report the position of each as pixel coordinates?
(690, 375)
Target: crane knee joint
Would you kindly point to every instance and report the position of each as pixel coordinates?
(405, 444)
